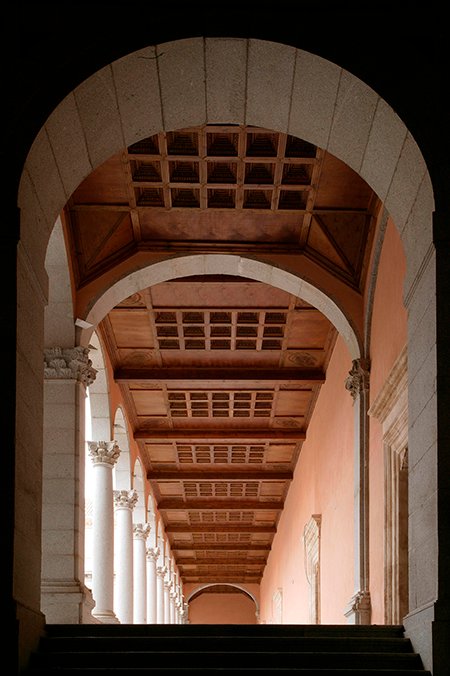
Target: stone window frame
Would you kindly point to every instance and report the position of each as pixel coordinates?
(390, 408)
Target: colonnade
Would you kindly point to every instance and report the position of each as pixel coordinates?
(145, 588)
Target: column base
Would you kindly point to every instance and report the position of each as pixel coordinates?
(87, 608)
(359, 609)
(105, 616)
(61, 601)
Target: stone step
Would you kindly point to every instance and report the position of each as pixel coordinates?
(156, 644)
(350, 630)
(225, 650)
(178, 659)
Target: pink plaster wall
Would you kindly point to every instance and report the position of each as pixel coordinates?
(323, 484)
(388, 337)
(210, 608)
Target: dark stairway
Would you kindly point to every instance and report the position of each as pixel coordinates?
(138, 650)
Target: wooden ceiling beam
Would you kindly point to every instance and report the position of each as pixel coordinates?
(220, 562)
(191, 377)
(218, 528)
(203, 547)
(218, 474)
(227, 505)
(184, 436)
(221, 578)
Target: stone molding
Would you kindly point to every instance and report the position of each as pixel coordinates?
(124, 499)
(311, 542)
(69, 363)
(104, 452)
(358, 377)
(141, 531)
(394, 386)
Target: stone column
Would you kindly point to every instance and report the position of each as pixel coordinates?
(64, 597)
(358, 610)
(124, 502)
(140, 532)
(167, 588)
(152, 556)
(104, 455)
(173, 599)
(160, 574)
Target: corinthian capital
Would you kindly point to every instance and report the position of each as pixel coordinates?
(72, 363)
(104, 452)
(125, 499)
(152, 553)
(358, 377)
(161, 571)
(141, 531)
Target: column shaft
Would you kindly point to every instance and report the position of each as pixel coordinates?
(152, 605)
(123, 597)
(160, 572)
(140, 574)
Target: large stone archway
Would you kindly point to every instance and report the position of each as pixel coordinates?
(190, 82)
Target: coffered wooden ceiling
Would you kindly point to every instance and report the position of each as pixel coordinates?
(220, 375)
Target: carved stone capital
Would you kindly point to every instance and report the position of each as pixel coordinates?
(358, 377)
(104, 452)
(152, 553)
(70, 363)
(161, 571)
(125, 499)
(141, 531)
(359, 609)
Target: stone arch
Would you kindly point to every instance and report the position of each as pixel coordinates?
(199, 589)
(139, 514)
(222, 79)
(59, 325)
(99, 393)
(122, 469)
(226, 264)
(151, 519)
(257, 82)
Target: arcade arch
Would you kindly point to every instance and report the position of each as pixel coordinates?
(343, 116)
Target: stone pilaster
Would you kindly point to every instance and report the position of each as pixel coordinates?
(357, 383)
(64, 597)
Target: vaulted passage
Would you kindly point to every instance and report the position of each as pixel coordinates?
(226, 262)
